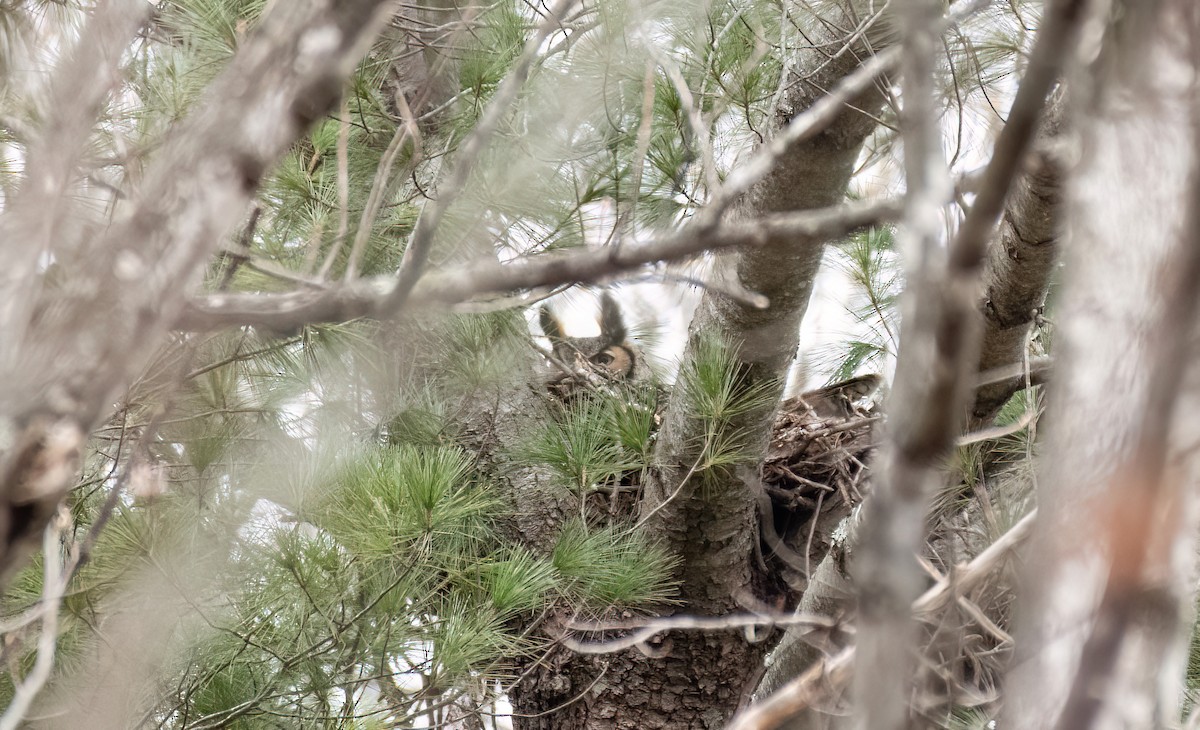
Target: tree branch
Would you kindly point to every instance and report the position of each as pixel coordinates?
(938, 356)
(370, 297)
(81, 342)
(831, 676)
(886, 576)
(1019, 265)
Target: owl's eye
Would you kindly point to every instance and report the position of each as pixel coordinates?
(616, 360)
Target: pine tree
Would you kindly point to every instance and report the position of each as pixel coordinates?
(295, 433)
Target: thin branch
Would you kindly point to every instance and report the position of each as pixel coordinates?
(406, 131)
(694, 116)
(343, 190)
(371, 297)
(648, 629)
(54, 586)
(242, 254)
(1017, 376)
(886, 576)
(996, 432)
(830, 676)
(412, 265)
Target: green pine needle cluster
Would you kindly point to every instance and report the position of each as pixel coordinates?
(407, 503)
(597, 441)
(720, 394)
(870, 262)
(608, 566)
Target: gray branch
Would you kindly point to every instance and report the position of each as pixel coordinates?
(370, 297)
(80, 342)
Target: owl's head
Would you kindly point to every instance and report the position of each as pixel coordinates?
(610, 354)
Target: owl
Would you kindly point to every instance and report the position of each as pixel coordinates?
(610, 356)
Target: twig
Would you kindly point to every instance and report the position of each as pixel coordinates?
(242, 254)
(238, 258)
(832, 675)
(412, 264)
(995, 432)
(694, 116)
(645, 630)
(406, 131)
(343, 189)
(804, 126)
(645, 127)
(1024, 374)
(54, 586)
(732, 290)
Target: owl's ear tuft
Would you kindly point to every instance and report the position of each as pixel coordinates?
(612, 326)
(551, 327)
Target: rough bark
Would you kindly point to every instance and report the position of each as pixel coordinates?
(712, 528)
(695, 681)
(1019, 267)
(1125, 218)
(700, 680)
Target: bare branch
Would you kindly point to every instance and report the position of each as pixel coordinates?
(415, 255)
(646, 630)
(54, 586)
(886, 575)
(404, 132)
(100, 329)
(830, 676)
(370, 297)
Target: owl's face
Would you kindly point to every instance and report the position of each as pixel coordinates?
(614, 359)
(609, 354)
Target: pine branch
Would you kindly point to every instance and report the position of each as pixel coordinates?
(92, 340)
(370, 297)
(831, 676)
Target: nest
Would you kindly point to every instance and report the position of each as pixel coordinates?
(813, 475)
(815, 472)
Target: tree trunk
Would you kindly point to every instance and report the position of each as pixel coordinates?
(713, 528)
(699, 680)
(695, 681)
